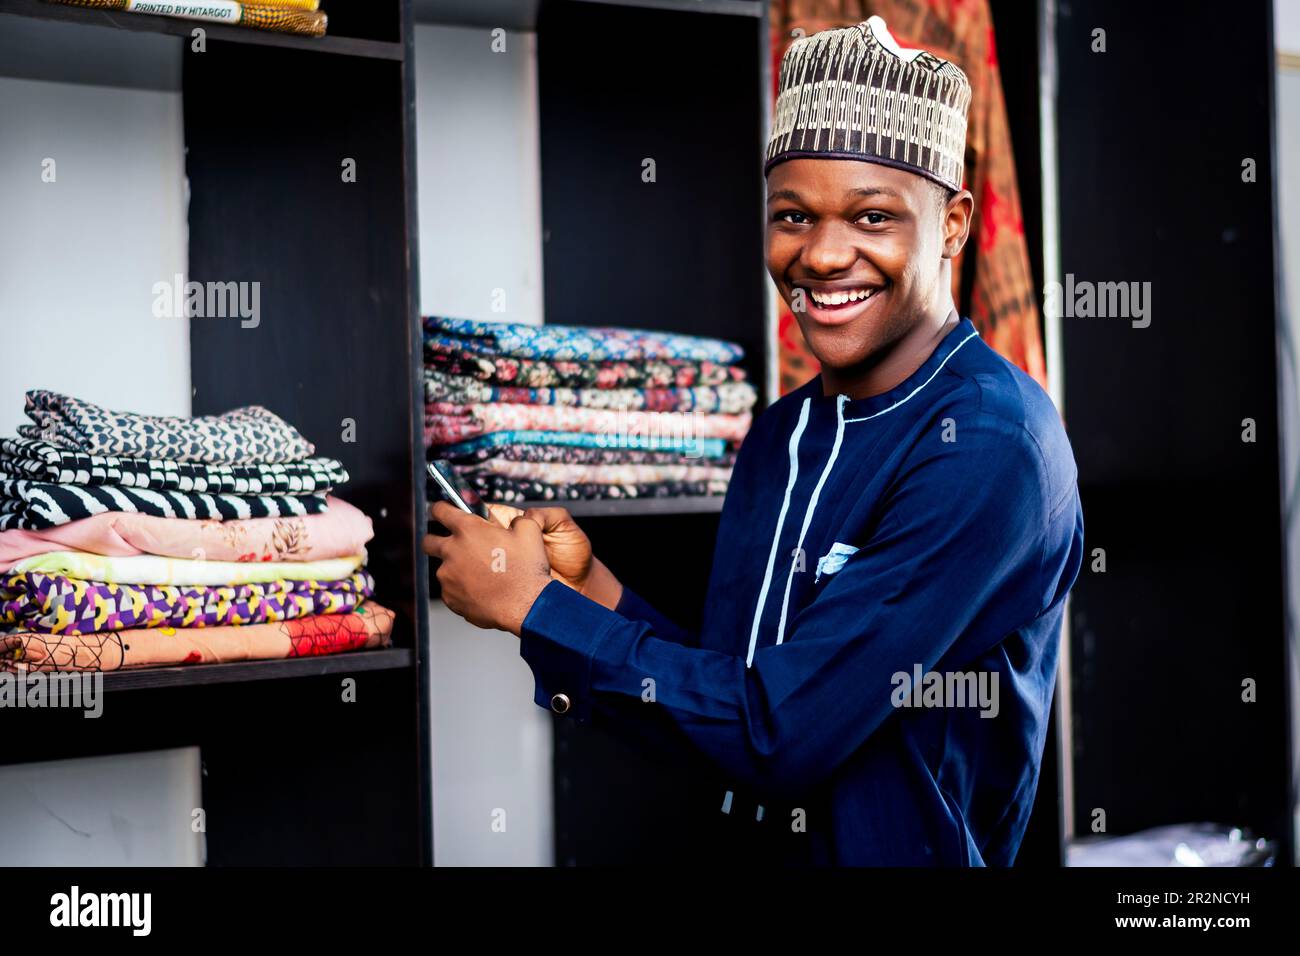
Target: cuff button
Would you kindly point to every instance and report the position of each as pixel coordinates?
(560, 703)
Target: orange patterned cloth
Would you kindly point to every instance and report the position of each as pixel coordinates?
(366, 627)
(1001, 301)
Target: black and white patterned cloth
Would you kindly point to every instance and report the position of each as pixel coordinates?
(35, 504)
(35, 460)
(245, 435)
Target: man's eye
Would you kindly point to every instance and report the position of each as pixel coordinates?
(797, 218)
(874, 218)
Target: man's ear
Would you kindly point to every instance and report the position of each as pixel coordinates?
(957, 213)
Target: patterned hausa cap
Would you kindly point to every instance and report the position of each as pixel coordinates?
(855, 93)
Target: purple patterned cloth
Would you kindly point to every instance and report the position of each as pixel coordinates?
(55, 604)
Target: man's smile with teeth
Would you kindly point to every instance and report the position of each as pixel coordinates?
(841, 297)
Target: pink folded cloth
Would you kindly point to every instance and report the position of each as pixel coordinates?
(340, 531)
(447, 422)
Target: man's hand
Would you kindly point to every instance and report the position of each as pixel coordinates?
(490, 575)
(568, 549)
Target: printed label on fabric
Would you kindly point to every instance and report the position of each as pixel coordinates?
(221, 11)
(833, 559)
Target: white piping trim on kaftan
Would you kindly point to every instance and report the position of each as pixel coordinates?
(776, 535)
(808, 512)
(912, 393)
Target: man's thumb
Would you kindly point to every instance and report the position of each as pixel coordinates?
(522, 524)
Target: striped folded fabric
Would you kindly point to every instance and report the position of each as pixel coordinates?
(35, 504)
(42, 461)
(365, 627)
(575, 343)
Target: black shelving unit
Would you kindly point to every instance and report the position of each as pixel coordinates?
(1192, 599)
(292, 773)
(684, 253)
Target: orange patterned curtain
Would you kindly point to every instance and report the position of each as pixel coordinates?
(1002, 302)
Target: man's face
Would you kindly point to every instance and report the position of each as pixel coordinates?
(857, 249)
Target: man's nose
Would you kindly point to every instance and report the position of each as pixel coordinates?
(829, 249)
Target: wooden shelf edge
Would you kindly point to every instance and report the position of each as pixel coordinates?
(173, 26)
(393, 658)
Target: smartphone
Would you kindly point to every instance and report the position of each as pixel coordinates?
(456, 489)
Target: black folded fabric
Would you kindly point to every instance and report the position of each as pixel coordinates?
(35, 504)
(37, 460)
(243, 436)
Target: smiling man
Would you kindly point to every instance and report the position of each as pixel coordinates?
(912, 510)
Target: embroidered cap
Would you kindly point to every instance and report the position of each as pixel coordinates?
(855, 93)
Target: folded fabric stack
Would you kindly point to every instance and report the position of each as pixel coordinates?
(282, 16)
(553, 412)
(133, 541)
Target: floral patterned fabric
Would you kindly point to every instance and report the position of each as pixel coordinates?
(560, 413)
(503, 489)
(575, 343)
(446, 423)
(582, 456)
(365, 627)
(621, 473)
(55, 604)
(729, 399)
(686, 447)
(536, 373)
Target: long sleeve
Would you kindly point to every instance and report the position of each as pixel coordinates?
(635, 608)
(969, 549)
